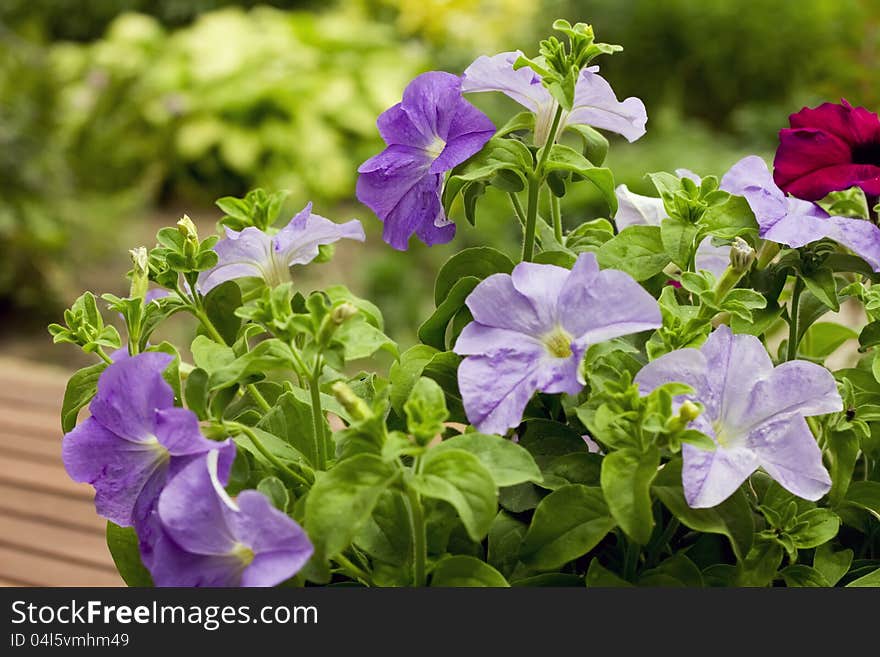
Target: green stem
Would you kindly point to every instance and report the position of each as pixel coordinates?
(793, 319)
(318, 415)
(657, 546)
(766, 253)
(419, 539)
(292, 474)
(517, 208)
(631, 560)
(545, 153)
(103, 356)
(556, 214)
(528, 250)
(355, 571)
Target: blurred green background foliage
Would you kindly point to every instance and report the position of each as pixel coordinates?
(118, 116)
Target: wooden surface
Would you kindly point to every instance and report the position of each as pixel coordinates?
(49, 532)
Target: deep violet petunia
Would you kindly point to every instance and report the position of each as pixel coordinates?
(595, 103)
(753, 411)
(429, 132)
(253, 252)
(531, 329)
(135, 439)
(634, 209)
(208, 539)
(793, 221)
(829, 148)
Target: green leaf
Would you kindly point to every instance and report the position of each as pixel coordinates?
(220, 305)
(195, 393)
(362, 339)
(832, 565)
(871, 579)
(405, 372)
(566, 159)
(275, 445)
(462, 570)
(821, 526)
(342, 499)
(433, 331)
(823, 338)
(567, 524)
(479, 262)
(843, 448)
(732, 218)
(267, 355)
(291, 420)
(599, 576)
(732, 518)
(80, 389)
(337, 293)
(386, 535)
(459, 478)
(846, 203)
(443, 368)
(595, 145)
(678, 236)
(865, 494)
(823, 286)
(760, 564)
(508, 463)
(505, 537)
(273, 488)
(425, 410)
(576, 468)
(626, 483)
(636, 250)
(123, 545)
(799, 575)
(676, 571)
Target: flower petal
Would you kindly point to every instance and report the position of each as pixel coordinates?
(496, 302)
(595, 306)
(495, 389)
(478, 339)
(637, 210)
(541, 285)
(788, 452)
(858, 235)
(297, 243)
(172, 566)
(596, 105)
(496, 73)
(239, 255)
(396, 127)
(712, 258)
(129, 393)
(710, 477)
(431, 100)
(469, 131)
(686, 366)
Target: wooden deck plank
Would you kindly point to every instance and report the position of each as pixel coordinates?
(42, 424)
(64, 542)
(41, 476)
(30, 448)
(50, 508)
(34, 569)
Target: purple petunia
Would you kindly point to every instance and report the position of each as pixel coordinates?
(208, 539)
(595, 103)
(135, 440)
(252, 252)
(429, 132)
(753, 411)
(795, 222)
(635, 209)
(531, 329)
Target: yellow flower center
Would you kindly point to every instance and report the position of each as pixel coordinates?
(436, 147)
(721, 436)
(558, 343)
(243, 553)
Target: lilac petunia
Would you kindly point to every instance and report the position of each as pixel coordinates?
(531, 329)
(135, 439)
(635, 209)
(594, 101)
(429, 132)
(795, 222)
(753, 411)
(252, 252)
(208, 539)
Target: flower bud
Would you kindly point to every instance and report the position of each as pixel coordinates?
(190, 234)
(343, 312)
(139, 273)
(741, 255)
(356, 407)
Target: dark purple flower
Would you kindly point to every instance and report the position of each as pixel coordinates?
(793, 221)
(827, 149)
(135, 439)
(429, 132)
(252, 252)
(208, 539)
(753, 411)
(531, 329)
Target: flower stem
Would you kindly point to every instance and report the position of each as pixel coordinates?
(631, 560)
(103, 356)
(318, 416)
(528, 250)
(274, 460)
(419, 539)
(766, 253)
(556, 214)
(793, 320)
(517, 208)
(551, 137)
(353, 570)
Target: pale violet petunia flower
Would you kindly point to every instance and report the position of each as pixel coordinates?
(253, 252)
(634, 210)
(753, 411)
(595, 103)
(792, 221)
(531, 329)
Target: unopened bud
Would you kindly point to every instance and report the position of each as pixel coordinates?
(356, 407)
(741, 255)
(139, 273)
(689, 411)
(343, 312)
(190, 234)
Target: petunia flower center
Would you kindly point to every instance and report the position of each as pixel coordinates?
(243, 553)
(161, 451)
(866, 153)
(558, 343)
(721, 436)
(435, 148)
